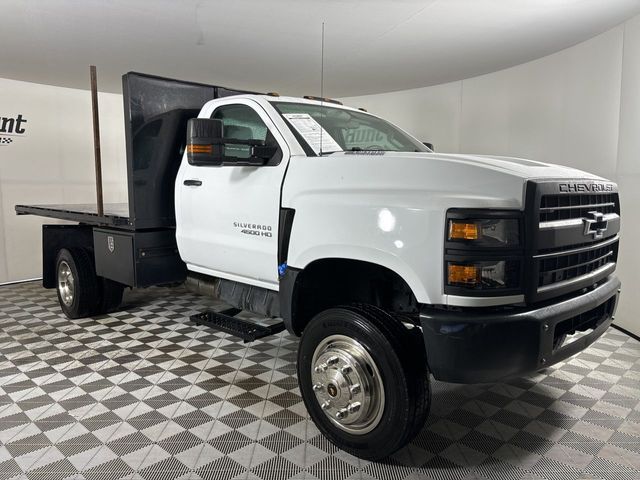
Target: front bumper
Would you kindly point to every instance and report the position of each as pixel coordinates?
(488, 345)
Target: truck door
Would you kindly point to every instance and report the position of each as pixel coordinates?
(227, 217)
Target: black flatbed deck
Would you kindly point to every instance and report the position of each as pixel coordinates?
(115, 214)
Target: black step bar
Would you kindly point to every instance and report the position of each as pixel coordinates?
(225, 321)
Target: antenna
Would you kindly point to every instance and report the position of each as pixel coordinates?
(322, 65)
(321, 84)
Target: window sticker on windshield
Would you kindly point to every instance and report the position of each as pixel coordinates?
(313, 132)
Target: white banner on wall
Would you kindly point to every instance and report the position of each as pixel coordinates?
(11, 129)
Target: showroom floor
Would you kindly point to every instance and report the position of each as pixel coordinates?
(145, 393)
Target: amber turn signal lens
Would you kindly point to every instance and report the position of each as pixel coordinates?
(192, 148)
(463, 274)
(459, 230)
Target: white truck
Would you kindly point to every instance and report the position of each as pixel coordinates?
(392, 262)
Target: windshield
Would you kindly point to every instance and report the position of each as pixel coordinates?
(351, 130)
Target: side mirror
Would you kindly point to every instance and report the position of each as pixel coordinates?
(429, 145)
(205, 145)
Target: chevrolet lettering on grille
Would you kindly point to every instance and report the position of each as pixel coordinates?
(595, 225)
(584, 187)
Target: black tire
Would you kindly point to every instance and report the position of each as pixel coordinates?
(398, 354)
(111, 296)
(86, 293)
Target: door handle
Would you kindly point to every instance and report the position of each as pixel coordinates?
(192, 183)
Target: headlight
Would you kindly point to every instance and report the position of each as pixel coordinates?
(484, 252)
(489, 274)
(489, 232)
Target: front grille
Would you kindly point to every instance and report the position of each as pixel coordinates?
(573, 240)
(564, 207)
(562, 267)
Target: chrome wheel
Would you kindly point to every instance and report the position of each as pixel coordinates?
(66, 283)
(347, 384)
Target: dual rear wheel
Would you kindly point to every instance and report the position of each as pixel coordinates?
(81, 292)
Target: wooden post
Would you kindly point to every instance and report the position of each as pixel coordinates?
(96, 139)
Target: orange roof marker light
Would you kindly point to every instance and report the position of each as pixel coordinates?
(322, 99)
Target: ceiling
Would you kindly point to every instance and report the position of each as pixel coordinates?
(275, 45)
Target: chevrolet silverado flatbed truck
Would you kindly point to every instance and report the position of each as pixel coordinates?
(392, 262)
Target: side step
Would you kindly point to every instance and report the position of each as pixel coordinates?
(225, 321)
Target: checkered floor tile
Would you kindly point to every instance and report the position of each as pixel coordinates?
(146, 394)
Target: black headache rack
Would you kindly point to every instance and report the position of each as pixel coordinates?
(156, 114)
(142, 233)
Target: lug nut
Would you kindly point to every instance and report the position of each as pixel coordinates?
(342, 414)
(355, 389)
(321, 368)
(317, 387)
(326, 405)
(332, 360)
(346, 370)
(353, 407)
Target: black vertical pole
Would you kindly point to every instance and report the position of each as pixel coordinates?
(96, 139)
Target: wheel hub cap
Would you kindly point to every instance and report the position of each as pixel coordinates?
(66, 283)
(332, 390)
(347, 384)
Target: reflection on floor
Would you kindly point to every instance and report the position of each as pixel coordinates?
(144, 393)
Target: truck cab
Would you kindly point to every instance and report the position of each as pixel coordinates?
(393, 263)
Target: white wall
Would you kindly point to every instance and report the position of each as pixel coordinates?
(579, 107)
(563, 108)
(52, 162)
(628, 176)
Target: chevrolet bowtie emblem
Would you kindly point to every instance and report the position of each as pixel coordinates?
(595, 225)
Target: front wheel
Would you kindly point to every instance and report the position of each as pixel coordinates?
(362, 381)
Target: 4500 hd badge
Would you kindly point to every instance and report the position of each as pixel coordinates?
(254, 229)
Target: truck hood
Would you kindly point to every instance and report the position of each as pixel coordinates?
(421, 180)
(519, 167)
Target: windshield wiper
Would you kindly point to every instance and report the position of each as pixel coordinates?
(360, 149)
